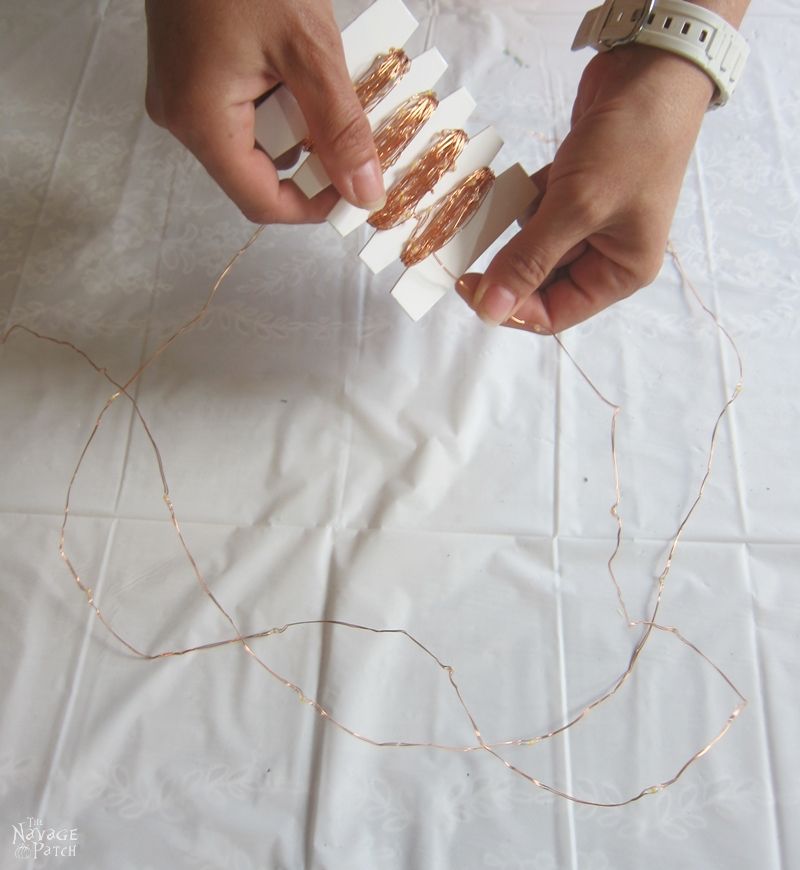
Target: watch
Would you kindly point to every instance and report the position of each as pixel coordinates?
(683, 28)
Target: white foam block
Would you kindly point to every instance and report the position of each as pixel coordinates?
(423, 285)
(279, 123)
(452, 113)
(509, 198)
(425, 71)
(420, 288)
(384, 248)
(383, 25)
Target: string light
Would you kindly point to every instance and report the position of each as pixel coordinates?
(385, 72)
(425, 173)
(394, 134)
(648, 625)
(436, 226)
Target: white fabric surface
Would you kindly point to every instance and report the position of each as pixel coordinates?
(327, 457)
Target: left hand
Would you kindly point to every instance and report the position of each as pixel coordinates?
(209, 60)
(600, 228)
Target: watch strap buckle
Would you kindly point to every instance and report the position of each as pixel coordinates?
(608, 26)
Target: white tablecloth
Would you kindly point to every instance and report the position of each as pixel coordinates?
(327, 457)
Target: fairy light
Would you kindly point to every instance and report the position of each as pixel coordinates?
(394, 134)
(494, 750)
(385, 72)
(425, 173)
(436, 225)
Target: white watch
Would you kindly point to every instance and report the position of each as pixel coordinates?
(683, 28)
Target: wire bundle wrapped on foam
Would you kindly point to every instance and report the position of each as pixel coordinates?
(407, 116)
(394, 134)
(381, 77)
(403, 196)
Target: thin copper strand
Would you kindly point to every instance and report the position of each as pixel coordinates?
(396, 131)
(385, 72)
(439, 223)
(424, 174)
(649, 625)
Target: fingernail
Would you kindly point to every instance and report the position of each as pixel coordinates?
(368, 187)
(497, 304)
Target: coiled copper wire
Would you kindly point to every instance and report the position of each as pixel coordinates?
(385, 72)
(439, 223)
(381, 77)
(421, 178)
(396, 131)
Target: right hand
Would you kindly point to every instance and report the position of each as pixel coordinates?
(208, 60)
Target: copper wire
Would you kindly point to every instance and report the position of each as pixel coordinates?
(439, 223)
(386, 70)
(396, 131)
(493, 749)
(423, 175)
(649, 624)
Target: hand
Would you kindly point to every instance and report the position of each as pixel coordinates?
(209, 60)
(600, 229)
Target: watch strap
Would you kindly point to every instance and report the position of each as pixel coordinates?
(683, 28)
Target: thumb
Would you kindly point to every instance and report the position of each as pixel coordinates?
(337, 124)
(525, 263)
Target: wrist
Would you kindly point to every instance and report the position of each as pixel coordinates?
(696, 31)
(731, 10)
(667, 74)
(670, 85)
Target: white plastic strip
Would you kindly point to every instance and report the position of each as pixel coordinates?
(422, 286)
(279, 123)
(385, 24)
(425, 71)
(507, 201)
(384, 248)
(452, 113)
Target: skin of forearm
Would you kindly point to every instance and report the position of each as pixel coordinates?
(731, 10)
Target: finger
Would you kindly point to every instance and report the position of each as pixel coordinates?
(525, 263)
(224, 142)
(539, 178)
(288, 159)
(316, 73)
(580, 290)
(570, 257)
(468, 284)
(529, 317)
